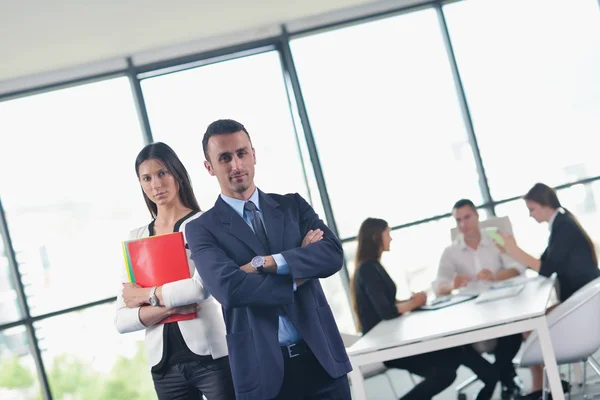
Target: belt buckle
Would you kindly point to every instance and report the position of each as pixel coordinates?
(289, 349)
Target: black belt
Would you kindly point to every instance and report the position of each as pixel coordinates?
(295, 350)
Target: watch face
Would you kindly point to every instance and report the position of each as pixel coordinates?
(153, 301)
(258, 261)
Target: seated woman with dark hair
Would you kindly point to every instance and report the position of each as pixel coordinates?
(570, 254)
(374, 299)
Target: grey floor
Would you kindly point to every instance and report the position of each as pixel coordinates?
(379, 388)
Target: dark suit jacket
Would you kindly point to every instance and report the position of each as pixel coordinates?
(569, 255)
(221, 242)
(375, 294)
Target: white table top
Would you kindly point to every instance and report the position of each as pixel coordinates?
(459, 318)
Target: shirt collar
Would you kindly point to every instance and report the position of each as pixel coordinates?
(558, 210)
(238, 205)
(483, 242)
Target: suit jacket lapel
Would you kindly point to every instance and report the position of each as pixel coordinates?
(274, 221)
(238, 227)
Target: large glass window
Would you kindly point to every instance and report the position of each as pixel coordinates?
(530, 72)
(18, 377)
(10, 310)
(250, 90)
(69, 189)
(388, 126)
(85, 357)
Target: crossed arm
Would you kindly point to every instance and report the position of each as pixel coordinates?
(180, 297)
(319, 255)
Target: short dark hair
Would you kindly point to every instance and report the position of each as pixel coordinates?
(163, 153)
(221, 127)
(464, 203)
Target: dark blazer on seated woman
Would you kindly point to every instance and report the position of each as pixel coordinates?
(375, 293)
(374, 297)
(569, 254)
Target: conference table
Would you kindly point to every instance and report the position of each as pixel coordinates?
(459, 324)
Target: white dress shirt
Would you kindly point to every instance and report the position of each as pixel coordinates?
(204, 335)
(460, 259)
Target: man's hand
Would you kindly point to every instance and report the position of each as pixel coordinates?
(485, 275)
(461, 281)
(312, 237)
(134, 295)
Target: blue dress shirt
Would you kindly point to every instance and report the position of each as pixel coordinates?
(287, 332)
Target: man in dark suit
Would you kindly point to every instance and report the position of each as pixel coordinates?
(261, 255)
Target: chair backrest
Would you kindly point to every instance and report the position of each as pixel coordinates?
(502, 223)
(574, 329)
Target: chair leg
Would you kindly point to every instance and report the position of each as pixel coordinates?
(412, 379)
(594, 364)
(585, 379)
(466, 383)
(545, 386)
(569, 371)
(392, 383)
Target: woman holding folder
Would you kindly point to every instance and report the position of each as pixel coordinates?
(187, 358)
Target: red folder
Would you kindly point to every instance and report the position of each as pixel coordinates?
(156, 260)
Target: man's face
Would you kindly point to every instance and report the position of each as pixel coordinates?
(231, 159)
(467, 220)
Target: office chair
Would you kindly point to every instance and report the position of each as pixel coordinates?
(574, 330)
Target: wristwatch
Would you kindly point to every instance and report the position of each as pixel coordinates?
(258, 263)
(153, 299)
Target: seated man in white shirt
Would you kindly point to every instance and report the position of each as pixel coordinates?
(474, 256)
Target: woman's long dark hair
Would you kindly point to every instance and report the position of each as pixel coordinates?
(370, 247)
(546, 196)
(163, 153)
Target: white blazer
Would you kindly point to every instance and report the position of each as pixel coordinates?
(204, 335)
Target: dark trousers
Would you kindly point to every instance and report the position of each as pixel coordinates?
(305, 379)
(486, 372)
(438, 370)
(506, 349)
(191, 380)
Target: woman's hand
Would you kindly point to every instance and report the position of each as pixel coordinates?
(419, 299)
(510, 244)
(134, 295)
(187, 309)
